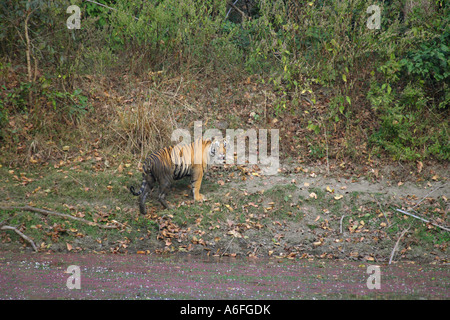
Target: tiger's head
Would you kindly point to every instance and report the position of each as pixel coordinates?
(217, 151)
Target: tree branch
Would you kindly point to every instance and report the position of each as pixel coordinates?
(424, 220)
(237, 9)
(20, 234)
(396, 244)
(63, 215)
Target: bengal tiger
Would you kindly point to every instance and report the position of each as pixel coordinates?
(176, 162)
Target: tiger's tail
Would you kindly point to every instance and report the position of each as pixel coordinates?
(144, 183)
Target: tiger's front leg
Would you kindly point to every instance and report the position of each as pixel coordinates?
(196, 183)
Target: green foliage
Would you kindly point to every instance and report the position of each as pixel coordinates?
(398, 74)
(408, 130)
(409, 90)
(73, 103)
(431, 60)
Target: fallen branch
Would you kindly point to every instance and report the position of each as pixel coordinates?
(20, 234)
(425, 220)
(340, 223)
(427, 195)
(326, 144)
(227, 246)
(382, 211)
(63, 215)
(396, 244)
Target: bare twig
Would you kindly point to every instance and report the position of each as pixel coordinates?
(20, 234)
(424, 220)
(382, 211)
(340, 223)
(227, 246)
(238, 10)
(102, 5)
(28, 54)
(326, 144)
(396, 244)
(428, 195)
(228, 13)
(63, 215)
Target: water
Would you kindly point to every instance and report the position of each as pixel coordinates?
(43, 276)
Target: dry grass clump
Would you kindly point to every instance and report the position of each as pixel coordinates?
(143, 127)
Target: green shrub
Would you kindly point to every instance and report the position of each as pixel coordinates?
(396, 76)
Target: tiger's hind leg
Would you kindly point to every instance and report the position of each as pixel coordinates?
(147, 190)
(163, 189)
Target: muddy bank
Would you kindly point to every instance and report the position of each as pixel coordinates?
(300, 213)
(43, 276)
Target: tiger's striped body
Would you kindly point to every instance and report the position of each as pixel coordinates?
(174, 163)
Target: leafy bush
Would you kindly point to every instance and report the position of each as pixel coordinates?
(396, 77)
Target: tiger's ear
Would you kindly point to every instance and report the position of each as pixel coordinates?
(213, 140)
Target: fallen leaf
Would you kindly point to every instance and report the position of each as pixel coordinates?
(338, 197)
(419, 166)
(291, 255)
(69, 246)
(313, 195)
(235, 234)
(33, 160)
